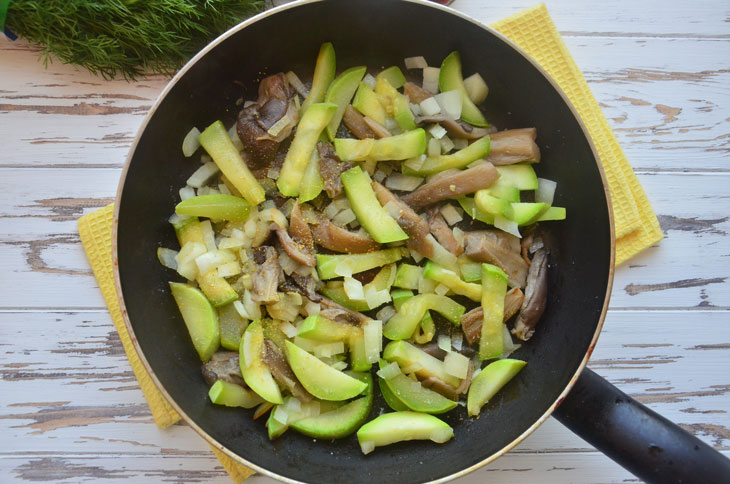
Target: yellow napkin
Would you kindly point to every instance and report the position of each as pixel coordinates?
(533, 30)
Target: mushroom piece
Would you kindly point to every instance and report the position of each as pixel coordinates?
(455, 128)
(415, 93)
(337, 239)
(298, 244)
(304, 285)
(275, 360)
(412, 223)
(356, 123)
(471, 322)
(331, 167)
(223, 365)
(441, 230)
(498, 248)
(337, 312)
(267, 275)
(535, 297)
(452, 184)
(440, 386)
(514, 146)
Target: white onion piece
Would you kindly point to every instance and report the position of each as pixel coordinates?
(456, 364)
(176, 219)
(213, 259)
(343, 269)
(441, 290)
(229, 269)
(476, 372)
(444, 342)
(248, 103)
(379, 175)
(353, 289)
(186, 192)
(186, 266)
(437, 131)
(224, 189)
(415, 163)
(417, 62)
(307, 344)
(297, 84)
(208, 191)
(240, 309)
(375, 298)
(545, 192)
(202, 174)
(310, 409)
(431, 79)
(450, 102)
(441, 256)
(367, 446)
(457, 340)
(208, 234)
(460, 143)
(292, 405)
(446, 144)
(190, 143)
(339, 365)
(476, 88)
(327, 350)
(429, 107)
(312, 308)
(434, 148)
(405, 183)
(416, 256)
(281, 415)
(391, 370)
(369, 81)
(233, 134)
(385, 314)
(345, 217)
(507, 225)
(231, 243)
(415, 109)
(426, 286)
(458, 235)
(167, 257)
(509, 345)
(373, 335)
(392, 209)
(253, 309)
(451, 214)
(279, 126)
(248, 350)
(331, 210)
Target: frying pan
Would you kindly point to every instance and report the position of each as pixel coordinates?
(380, 33)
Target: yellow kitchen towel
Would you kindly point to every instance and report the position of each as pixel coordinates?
(636, 225)
(533, 30)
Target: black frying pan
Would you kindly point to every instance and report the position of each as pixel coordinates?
(379, 33)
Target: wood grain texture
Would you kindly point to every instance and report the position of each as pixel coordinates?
(70, 409)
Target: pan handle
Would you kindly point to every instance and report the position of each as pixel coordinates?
(639, 439)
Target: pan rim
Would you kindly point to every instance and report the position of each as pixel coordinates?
(233, 30)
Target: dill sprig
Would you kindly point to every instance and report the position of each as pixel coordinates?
(125, 37)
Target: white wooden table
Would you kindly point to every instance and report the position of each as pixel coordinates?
(70, 408)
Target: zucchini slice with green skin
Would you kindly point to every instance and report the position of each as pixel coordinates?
(219, 146)
(219, 207)
(552, 213)
(320, 379)
(342, 421)
(452, 280)
(389, 398)
(327, 264)
(324, 74)
(405, 321)
(366, 102)
(310, 126)
(200, 318)
(397, 104)
(232, 327)
(393, 75)
(340, 93)
(407, 276)
(232, 395)
(494, 287)
(256, 374)
(415, 396)
(319, 328)
(405, 354)
(473, 152)
(520, 176)
(450, 79)
(399, 147)
(489, 381)
(527, 213)
(390, 428)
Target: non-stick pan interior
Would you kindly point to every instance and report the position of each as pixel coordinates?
(376, 33)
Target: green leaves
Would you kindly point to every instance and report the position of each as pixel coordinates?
(125, 38)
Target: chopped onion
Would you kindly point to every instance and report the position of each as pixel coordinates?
(312, 308)
(327, 350)
(456, 364)
(426, 286)
(476, 88)
(224, 189)
(208, 191)
(167, 257)
(392, 208)
(509, 345)
(444, 342)
(415, 109)
(369, 81)
(176, 219)
(398, 181)
(343, 269)
(281, 415)
(458, 235)
(248, 103)
(437, 131)
(429, 107)
(434, 148)
(441, 290)
(413, 368)
(373, 332)
(240, 309)
(441, 256)
(306, 344)
(213, 259)
(367, 446)
(457, 340)
(297, 84)
(379, 175)
(208, 234)
(385, 314)
(293, 405)
(279, 126)
(339, 365)
(391, 370)
(446, 144)
(187, 192)
(353, 289)
(417, 62)
(233, 134)
(190, 143)
(476, 372)
(229, 269)
(186, 266)
(431, 79)
(450, 102)
(231, 243)
(507, 225)
(375, 298)
(202, 174)
(345, 217)
(451, 214)
(248, 350)
(545, 192)
(460, 143)
(331, 210)
(253, 309)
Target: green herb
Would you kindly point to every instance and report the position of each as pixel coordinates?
(125, 37)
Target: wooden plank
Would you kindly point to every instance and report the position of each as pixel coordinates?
(42, 250)
(96, 406)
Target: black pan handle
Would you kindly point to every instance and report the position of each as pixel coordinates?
(639, 439)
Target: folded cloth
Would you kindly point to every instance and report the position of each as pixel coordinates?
(533, 30)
